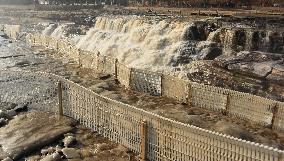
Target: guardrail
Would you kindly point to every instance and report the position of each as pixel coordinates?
(13, 31)
(260, 110)
(155, 137)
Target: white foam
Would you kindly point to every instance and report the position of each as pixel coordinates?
(136, 41)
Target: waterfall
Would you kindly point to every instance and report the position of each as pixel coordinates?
(137, 41)
(49, 29)
(153, 42)
(214, 36)
(247, 39)
(59, 30)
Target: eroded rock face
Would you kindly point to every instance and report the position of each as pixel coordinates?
(256, 69)
(30, 131)
(257, 64)
(277, 74)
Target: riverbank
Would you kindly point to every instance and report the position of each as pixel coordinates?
(16, 55)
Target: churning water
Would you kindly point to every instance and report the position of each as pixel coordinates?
(151, 42)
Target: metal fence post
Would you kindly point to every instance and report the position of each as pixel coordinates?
(189, 94)
(226, 111)
(79, 58)
(281, 157)
(115, 68)
(162, 86)
(130, 86)
(47, 41)
(98, 61)
(56, 45)
(274, 112)
(60, 108)
(143, 147)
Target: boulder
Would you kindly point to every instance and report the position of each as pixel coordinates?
(11, 113)
(7, 159)
(262, 69)
(4, 106)
(31, 131)
(69, 140)
(2, 122)
(246, 57)
(54, 157)
(256, 69)
(33, 158)
(2, 114)
(277, 74)
(21, 108)
(49, 150)
(255, 64)
(71, 153)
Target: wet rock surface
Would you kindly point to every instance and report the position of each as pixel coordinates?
(30, 131)
(69, 140)
(253, 72)
(80, 139)
(251, 63)
(90, 146)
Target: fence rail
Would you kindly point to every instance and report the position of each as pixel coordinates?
(165, 139)
(13, 31)
(176, 88)
(242, 105)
